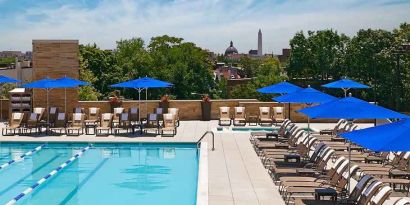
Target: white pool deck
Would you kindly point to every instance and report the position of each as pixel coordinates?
(236, 175)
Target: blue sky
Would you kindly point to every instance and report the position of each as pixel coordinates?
(209, 23)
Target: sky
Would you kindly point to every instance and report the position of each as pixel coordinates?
(211, 24)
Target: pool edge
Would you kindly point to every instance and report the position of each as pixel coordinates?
(202, 187)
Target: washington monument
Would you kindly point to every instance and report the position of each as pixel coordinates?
(260, 43)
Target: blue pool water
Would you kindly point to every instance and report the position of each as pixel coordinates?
(141, 174)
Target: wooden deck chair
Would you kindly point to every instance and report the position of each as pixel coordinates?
(278, 114)
(265, 116)
(14, 125)
(369, 192)
(60, 124)
(93, 115)
(32, 123)
(175, 112)
(53, 112)
(152, 123)
(134, 119)
(78, 110)
(169, 124)
(402, 201)
(40, 111)
(77, 125)
(380, 197)
(224, 116)
(116, 115)
(239, 116)
(105, 124)
(124, 124)
(159, 111)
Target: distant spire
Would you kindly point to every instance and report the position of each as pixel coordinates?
(231, 45)
(260, 43)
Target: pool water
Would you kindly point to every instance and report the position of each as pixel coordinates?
(254, 129)
(148, 174)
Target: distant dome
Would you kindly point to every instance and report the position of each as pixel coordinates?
(231, 49)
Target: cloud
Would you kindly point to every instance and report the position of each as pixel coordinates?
(209, 23)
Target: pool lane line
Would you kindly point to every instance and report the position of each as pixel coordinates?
(31, 152)
(45, 178)
(28, 175)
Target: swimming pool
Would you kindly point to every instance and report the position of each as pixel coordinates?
(252, 129)
(104, 174)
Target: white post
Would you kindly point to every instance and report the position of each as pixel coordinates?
(65, 101)
(146, 101)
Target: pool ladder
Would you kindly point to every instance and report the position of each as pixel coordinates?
(213, 139)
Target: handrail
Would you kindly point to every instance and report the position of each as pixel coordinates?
(213, 139)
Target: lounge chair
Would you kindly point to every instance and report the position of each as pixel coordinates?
(239, 116)
(60, 124)
(124, 124)
(224, 116)
(335, 130)
(53, 115)
(402, 201)
(175, 111)
(152, 123)
(265, 116)
(116, 116)
(78, 110)
(169, 124)
(134, 118)
(278, 114)
(32, 123)
(77, 125)
(93, 115)
(159, 111)
(40, 112)
(105, 124)
(14, 125)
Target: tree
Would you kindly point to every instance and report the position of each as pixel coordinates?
(268, 71)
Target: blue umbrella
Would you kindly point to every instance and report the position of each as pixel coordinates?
(308, 96)
(47, 84)
(141, 84)
(67, 82)
(281, 88)
(345, 84)
(387, 137)
(5, 79)
(350, 108)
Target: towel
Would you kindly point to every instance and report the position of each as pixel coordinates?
(93, 110)
(77, 110)
(17, 115)
(118, 110)
(38, 110)
(264, 109)
(168, 116)
(124, 116)
(173, 110)
(134, 110)
(53, 110)
(239, 109)
(33, 116)
(106, 116)
(158, 110)
(278, 109)
(152, 117)
(61, 116)
(77, 116)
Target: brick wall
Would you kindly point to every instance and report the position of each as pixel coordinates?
(55, 59)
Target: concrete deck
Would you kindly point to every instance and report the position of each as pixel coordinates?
(236, 175)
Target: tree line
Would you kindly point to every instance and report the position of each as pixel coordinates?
(374, 57)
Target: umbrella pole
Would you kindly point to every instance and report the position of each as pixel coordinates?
(289, 111)
(48, 112)
(65, 100)
(139, 105)
(146, 101)
(1, 104)
(349, 177)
